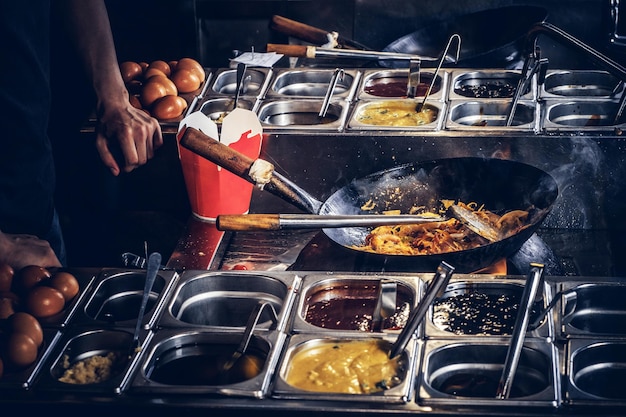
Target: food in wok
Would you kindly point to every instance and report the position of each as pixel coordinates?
(450, 235)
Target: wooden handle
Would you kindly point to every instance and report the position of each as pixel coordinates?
(247, 222)
(299, 30)
(289, 50)
(216, 152)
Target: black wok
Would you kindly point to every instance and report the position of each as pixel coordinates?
(489, 38)
(500, 185)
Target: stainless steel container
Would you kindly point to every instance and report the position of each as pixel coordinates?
(588, 84)
(581, 115)
(300, 114)
(307, 343)
(188, 361)
(486, 84)
(311, 83)
(597, 309)
(595, 372)
(405, 112)
(114, 298)
(345, 303)
(106, 376)
(491, 115)
(392, 83)
(466, 373)
(484, 307)
(254, 83)
(224, 300)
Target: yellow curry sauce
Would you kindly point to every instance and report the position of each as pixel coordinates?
(352, 367)
(396, 113)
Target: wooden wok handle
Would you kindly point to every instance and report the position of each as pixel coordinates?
(302, 51)
(299, 30)
(216, 152)
(248, 222)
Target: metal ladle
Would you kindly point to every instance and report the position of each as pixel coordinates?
(457, 37)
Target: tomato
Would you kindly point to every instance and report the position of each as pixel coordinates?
(151, 72)
(186, 80)
(130, 71)
(28, 277)
(193, 65)
(44, 301)
(161, 65)
(169, 107)
(170, 87)
(65, 283)
(151, 92)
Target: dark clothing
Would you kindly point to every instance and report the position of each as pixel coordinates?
(27, 174)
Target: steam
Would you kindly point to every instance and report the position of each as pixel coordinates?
(578, 189)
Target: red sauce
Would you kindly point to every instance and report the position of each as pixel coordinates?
(396, 87)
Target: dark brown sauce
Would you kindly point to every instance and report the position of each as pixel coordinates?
(350, 313)
(396, 87)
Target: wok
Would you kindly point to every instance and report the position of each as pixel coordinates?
(489, 38)
(501, 185)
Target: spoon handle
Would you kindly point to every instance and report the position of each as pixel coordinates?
(154, 262)
(435, 288)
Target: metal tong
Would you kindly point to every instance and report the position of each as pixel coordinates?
(532, 291)
(533, 64)
(435, 289)
(456, 37)
(337, 76)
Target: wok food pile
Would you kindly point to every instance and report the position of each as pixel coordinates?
(441, 236)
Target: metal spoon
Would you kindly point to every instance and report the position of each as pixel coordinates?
(241, 70)
(435, 289)
(154, 262)
(247, 334)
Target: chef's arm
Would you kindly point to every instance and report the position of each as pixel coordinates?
(121, 127)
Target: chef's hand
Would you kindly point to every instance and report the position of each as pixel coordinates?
(23, 250)
(128, 133)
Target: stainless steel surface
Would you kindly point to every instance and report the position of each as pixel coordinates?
(491, 115)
